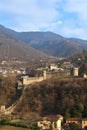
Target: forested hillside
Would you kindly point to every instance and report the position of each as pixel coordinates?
(54, 96)
(51, 43)
(7, 89)
(12, 48)
(65, 96)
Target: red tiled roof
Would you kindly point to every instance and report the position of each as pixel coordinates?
(53, 117)
(76, 119)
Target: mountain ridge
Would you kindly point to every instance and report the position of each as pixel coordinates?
(50, 43)
(13, 48)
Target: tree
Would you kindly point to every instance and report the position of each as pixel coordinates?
(67, 114)
(85, 128)
(74, 126)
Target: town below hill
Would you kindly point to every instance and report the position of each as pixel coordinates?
(42, 84)
(40, 93)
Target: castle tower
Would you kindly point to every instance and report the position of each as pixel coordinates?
(75, 71)
(25, 80)
(60, 118)
(53, 67)
(44, 74)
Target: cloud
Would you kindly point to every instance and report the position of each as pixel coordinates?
(33, 13)
(65, 17)
(77, 6)
(76, 12)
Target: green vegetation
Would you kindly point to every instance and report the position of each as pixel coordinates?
(73, 126)
(18, 123)
(4, 122)
(12, 128)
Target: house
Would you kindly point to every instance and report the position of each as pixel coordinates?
(67, 65)
(82, 122)
(45, 124)
(53, 67)
(75, 71)
(2, 108)
(84, 75)
(51, 121)
(73, 120)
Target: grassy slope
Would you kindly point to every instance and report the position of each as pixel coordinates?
(11, 128)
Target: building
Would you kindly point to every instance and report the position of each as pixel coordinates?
(44, 125)
(82, 122)
(75, 71)
(2, 108)
(53, 67)
(73, 120)
(51, 121)
(58, 74)
(52, 73)
(58, 123)
(85, 76)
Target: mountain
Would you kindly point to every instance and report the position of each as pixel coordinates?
(80, 41)
(30, 45)
(53, 44)
(13, 48)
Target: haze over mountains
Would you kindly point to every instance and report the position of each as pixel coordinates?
(27, 45)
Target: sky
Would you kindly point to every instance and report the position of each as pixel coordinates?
(65, 17)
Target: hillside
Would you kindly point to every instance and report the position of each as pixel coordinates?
(53, 97)
(7, 89)
(53, 44)
(29, 45)
(50, 97)
(12, 48)
(80, 60)
(80, 41)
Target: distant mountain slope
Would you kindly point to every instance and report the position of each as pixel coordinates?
(80, 41)
(50, 43)
(53, 44)
(13, 48)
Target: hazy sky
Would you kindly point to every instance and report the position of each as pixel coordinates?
(65, 17)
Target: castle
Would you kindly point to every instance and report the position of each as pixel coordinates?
(53, 72)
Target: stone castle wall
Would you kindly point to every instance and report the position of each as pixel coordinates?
(31, 80)
(46, 75)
